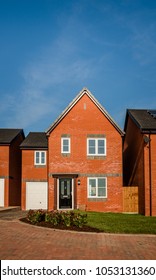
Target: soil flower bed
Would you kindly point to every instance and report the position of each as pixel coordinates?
(63, 220)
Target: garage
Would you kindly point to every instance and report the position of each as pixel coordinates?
(36, 195)
(2, 192)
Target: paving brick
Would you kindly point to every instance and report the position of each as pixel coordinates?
(24, 242)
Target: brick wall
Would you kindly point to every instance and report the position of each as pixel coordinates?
(83, 120)
(15, 172)
(137, 168)
(31, 172)
(4, 171)
(150, 176)
(133, 161)
(153, 172)
(10, 170)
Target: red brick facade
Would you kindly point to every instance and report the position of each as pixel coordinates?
(10, 170)
(139, 162)
(82, 161)
(31, 173)
(85, 120)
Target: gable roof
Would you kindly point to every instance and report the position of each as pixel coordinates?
(72, 104)
(145, 119)
(7, 135)
(35, 140)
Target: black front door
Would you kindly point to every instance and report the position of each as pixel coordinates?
(65, 193)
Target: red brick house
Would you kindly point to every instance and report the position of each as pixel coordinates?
(139, 157)
(77, 162)
(10, 167)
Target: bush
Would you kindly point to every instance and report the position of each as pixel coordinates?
(53, 217)
(66, 218)
(56, 218)
(36, 216)
(78, 219)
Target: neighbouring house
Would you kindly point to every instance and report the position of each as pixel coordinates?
(10, 167)
(77, 162)
(139, 157)
(34, 171)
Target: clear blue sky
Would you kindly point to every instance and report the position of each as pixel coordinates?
(51, 49)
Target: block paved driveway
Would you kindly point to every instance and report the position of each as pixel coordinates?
(19, 241)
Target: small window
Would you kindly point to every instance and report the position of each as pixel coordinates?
(97, 187)
(40, 158)
(65, 145)
(96, 146)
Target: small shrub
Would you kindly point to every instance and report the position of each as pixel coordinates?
(56, 218)
(36, 216)
(78, 219)
(65, 219)
(53, 217)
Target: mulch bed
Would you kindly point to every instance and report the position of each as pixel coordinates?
(49, 225)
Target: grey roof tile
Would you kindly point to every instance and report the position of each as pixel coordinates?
(35, 140)
(143, 118)
(7, 135)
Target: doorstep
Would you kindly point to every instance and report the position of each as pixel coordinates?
(10, 208)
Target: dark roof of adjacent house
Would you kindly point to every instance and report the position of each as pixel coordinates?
(72, 104)
(7, 135)
(35, 140)
(145, 119)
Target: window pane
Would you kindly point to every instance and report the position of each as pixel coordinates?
(65, 145)
(37, 157)
(91, 147)
(102, 192)
(68, 187)
(65, 142)
(101, 187)
(62, 187)
(92, 187)
(42, 157)
(101, 147)
(65, 148)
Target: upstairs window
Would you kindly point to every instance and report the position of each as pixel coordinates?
(96, 146)
(65, 145)
(40, 158)
(97, 187)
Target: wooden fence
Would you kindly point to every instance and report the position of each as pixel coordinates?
(130, 199)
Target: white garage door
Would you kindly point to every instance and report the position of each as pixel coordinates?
(36, 195)
(2, 192)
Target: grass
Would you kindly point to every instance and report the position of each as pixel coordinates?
(122, 223)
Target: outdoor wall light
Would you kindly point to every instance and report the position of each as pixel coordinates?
(79, 182)
(146, 139)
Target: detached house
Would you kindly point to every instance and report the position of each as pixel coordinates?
(10, 167)
(77, 162)
(139, 157)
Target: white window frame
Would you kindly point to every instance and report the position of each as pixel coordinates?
(96, 187)
(62, 139)
(40, 157)
(96, 146)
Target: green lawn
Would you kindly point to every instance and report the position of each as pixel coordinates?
(122, 223)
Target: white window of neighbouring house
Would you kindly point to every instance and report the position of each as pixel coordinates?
(65, 145)
(96, 146)
(40, 158)
(97, 187)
